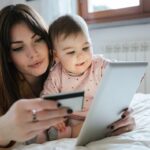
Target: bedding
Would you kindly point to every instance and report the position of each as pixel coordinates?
(139, 139)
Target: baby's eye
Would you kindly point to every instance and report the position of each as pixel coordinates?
(70, 53)
(17, 49)
(85, 48)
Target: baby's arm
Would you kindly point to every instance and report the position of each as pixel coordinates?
(63, 132)
(68, 129)
(72, 130)
(72, 127)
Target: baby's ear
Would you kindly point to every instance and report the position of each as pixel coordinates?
(55, 56)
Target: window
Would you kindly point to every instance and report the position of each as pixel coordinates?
(94, 11)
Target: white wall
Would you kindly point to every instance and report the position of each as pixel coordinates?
(48, 9)
(138, 32)
(4, 3)
(125, 43)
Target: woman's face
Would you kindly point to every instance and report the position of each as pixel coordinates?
(29, 52)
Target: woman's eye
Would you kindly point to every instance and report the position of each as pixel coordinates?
(39, 39)
(85, 48)
(70, 53)
(17, 49)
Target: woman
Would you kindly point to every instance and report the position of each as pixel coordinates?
(25, 57)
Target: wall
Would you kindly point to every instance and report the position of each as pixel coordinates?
(48, 9)
(125, 43)
(104, 36)
(35, 3)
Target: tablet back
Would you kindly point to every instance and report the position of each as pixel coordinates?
(115, 92)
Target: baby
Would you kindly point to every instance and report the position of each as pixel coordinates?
(76, 67)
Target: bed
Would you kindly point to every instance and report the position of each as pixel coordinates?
(139, 139)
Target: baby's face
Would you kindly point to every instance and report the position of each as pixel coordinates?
(74, 52)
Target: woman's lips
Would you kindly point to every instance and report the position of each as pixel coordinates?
(36, 64)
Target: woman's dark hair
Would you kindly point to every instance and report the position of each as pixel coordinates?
(10, 80)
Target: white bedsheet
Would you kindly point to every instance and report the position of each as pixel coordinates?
(139, 139)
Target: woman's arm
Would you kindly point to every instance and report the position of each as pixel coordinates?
(20, 124)
(125, 124)
(4, 142)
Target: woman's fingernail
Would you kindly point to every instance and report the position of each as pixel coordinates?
(69, 111)
(123, 116)
(58, 104)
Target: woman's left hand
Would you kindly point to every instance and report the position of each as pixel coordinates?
(125, 124)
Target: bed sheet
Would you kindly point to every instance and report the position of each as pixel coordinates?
(139, 139)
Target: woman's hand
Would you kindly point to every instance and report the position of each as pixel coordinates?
(125, 124)
(21, 123)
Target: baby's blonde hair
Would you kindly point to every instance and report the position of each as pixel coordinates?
(67, 25)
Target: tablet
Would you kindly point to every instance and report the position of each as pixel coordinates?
(115, 92)
(73, 100)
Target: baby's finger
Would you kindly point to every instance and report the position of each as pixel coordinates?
(63, 126)
(60, 126)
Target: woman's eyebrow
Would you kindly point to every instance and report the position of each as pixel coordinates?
(16, 42)
(33, 36)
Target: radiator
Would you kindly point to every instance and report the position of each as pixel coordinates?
(130, 51)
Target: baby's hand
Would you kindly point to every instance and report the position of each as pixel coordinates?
(61, 126)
